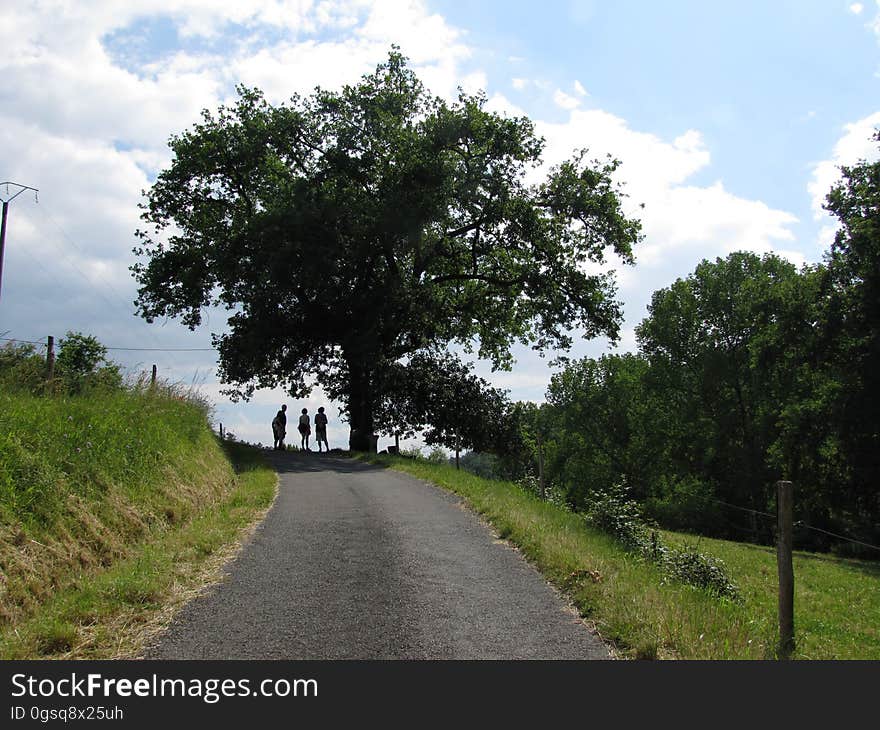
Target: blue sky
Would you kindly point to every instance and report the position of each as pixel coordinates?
(730, 120)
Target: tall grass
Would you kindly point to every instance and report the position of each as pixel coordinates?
(85, 478)
(114, 613)
(51, 448)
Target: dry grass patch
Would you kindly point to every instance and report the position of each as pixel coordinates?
(116, 612)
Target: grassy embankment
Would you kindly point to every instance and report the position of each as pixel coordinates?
(837, 601)
(114, 510)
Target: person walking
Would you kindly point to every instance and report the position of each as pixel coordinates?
(305, 429)
(279, 428)
(321, 429)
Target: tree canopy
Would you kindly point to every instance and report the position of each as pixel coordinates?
(349, 229)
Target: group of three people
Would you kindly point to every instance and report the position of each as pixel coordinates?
(279, 428)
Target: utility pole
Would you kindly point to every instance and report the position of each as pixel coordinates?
(6, 201)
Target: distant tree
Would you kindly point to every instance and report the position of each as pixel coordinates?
(709, 340)
(440, 396)
(350, 229)
(515, 445)
(609, 426)
(82, 361)
(483, 465)
(850, 341)
(21, 368)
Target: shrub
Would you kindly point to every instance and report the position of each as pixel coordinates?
(553, 493)
(21, 368)
(437, 456)
(615, 514)
(690, 566)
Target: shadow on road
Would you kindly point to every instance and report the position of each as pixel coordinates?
(298, 462)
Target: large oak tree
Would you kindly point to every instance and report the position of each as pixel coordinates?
(348, 229)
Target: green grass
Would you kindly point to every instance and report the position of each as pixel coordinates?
(114, 507)
(112, 613)
(837, 601)
(51, 448)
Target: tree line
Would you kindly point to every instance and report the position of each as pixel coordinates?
(749, 370)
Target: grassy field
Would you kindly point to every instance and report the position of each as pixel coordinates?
(114, 510)
(837, 601)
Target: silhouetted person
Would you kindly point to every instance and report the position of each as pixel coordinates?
(321, 428)
(305, 429)
(279, 428)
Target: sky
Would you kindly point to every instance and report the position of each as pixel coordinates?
(730, 120)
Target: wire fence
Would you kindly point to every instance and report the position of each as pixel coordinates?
(42, 343)
(68, 254)
(798, 523)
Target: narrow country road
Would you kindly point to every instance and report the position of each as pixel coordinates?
(358, 562)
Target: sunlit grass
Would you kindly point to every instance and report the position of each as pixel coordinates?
(837, 602)
(112, 613)
(107, 501)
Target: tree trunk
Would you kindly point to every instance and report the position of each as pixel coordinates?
(360, 407)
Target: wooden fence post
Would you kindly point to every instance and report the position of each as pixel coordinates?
(786, 571)
(50, 358)
(153, 378)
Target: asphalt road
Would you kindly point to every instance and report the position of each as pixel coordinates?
(358, 562)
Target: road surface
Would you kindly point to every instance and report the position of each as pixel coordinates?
(358, 562)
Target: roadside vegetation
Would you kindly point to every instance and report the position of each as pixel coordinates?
(116, 502)
(646, 613)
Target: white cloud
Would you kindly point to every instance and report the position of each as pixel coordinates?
(579, 88)
(855, 144)
(565, 101)
(282, 70)
(500, 104)
(682, 222)
(875, 23)
(649, 162)
(474, 82)
(519, 84)
(856, 8)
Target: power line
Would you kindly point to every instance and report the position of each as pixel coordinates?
(69, 260)
(130, 349)
(98, 275)
(73, 243)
